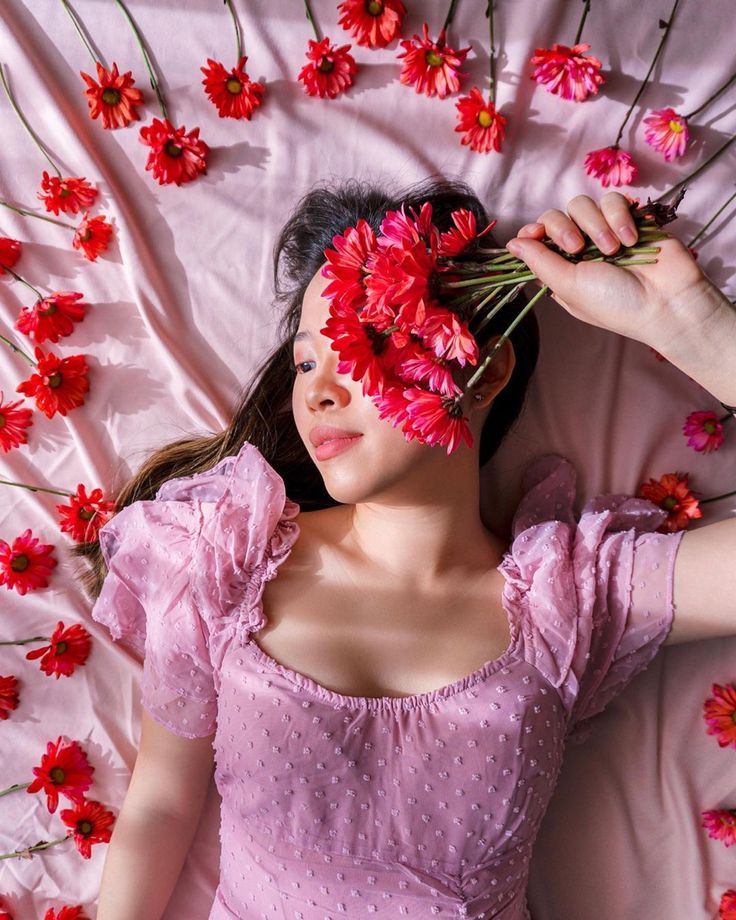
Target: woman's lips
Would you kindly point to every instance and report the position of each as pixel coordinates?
(333, 447)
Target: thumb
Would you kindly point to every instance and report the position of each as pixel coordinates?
(549, 267)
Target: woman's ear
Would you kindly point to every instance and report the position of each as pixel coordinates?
(496, 375)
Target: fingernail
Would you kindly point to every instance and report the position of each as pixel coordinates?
(627, 236)
(572, 240)
(515, 248)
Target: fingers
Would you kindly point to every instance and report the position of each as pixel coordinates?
(548, 266)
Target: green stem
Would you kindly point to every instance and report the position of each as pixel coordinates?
(649, 72)
(697, 172)
(310, 17)
(29, 129)
(23, 485)
(23, 281)
(496, 280)
(582, 22)
(492, 54)
(497, 307)
(450, 16)
(73, 17)
(46, 639)
(705, 226)
(51, 220)
(139, 39)
(710, 98)
(15, 788)
(229, 4)
(41, 845)
(715, 498)
(18, 351)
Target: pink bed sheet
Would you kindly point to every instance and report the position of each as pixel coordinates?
(180, 316)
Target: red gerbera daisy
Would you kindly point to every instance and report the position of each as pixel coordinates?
(719, 713)
(13, 422)
(721, 824)
(484, 128)
(330, 71)
(92, 236)
(567, 72)
(27, 564)
(373, 23)
(704, 431)
(456, 240)
(10, 251)
(68, 195)
(431, 67)
(437, 418)
(727, 907)
(64, 770)
(8, 698)
(92, 823)
(112, 96)
(69, 647)
(612, 166)
(85, 514)
(233, 93)
(52, 317)
(65, 913)
(360, 345)
(59, 385)
(176, 156)
(347, 265)
(671, 493)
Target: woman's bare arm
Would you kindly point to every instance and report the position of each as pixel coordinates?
(156, 824)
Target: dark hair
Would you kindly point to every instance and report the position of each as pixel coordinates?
(263, 413)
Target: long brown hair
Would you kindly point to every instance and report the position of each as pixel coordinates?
(263, 413)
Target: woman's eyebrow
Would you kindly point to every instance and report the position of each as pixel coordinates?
(304, 334)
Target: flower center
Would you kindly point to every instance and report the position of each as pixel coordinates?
(677, 127)
(86, 236)
(669, 503)
(172, 149)
(485, 119)
(86, 513)
(54, 380)
(2, 420)
(52, 308)
(434, 59)
(709, 427)
(61, 648)
(234, 86)
(85, 827)
(325, 64)
(373, 7)
(64, 192)
(733, 716)
(57, 775)
(110, 96)
(20, 563)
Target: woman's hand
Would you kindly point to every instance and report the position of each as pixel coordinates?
(650, 303)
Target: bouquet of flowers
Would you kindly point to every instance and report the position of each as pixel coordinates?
(407, 305)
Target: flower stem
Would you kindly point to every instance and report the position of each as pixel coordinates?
(450, 16)
(492, 54)
(41, 845)
(697, 172)
(667, 27)
(23, 281)
(310, 17)
(39, 216)
(497, 307)
(715, 498)
(18, 351)
(582, 22)
(25, 124)
(229, 4)
(73, 17)
(16, 787)
(26, 641)
(139, 39)
(705, 226)
(498, 280)
(23, 485)
(710, 98)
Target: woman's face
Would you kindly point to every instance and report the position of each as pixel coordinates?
(381, 462)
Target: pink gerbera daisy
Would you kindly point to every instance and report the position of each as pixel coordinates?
(727, 907)
(704, 431)
(431, 67)
(667, 132)
(330, 70)
(567, 72)
(612, 166)
(721, 824)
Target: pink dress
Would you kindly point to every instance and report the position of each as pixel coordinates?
(336, 806)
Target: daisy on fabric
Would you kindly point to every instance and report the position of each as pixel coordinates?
(372, 23)
(57, 193)
(68, 648)
(92, 235)
(667, 131)
(719, 712)
(64, 769)
(59, 384)
(91, 823)
(566, 71)
(10, 252)
(331, 69)
(13, 424)
(721, 824)
(704, 430)
(233, 93)
(83, 517)
(433, 67)
(483, 127)
(611, 165)
(727, 907)
(26, 564)
(672, 494)
(9, 698)
(52, 316)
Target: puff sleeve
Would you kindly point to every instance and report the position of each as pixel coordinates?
(148, 601)
(598, 588)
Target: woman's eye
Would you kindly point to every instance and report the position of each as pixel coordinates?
(301, 364)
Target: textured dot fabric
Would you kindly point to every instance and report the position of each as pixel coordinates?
(421, 806)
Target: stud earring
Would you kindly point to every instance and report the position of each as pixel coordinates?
(478, 396)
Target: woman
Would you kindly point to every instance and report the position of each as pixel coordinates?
(388, 716)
